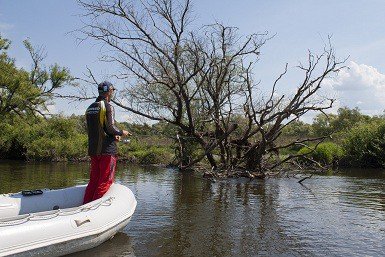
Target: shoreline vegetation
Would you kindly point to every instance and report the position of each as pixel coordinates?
(358, 140)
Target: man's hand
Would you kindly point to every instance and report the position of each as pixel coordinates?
(126, 133)
(118, 138)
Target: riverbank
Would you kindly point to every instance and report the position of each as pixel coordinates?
(357, 141)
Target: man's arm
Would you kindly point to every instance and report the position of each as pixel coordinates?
(111, 129)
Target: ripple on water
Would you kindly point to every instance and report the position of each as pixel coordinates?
(185, 215)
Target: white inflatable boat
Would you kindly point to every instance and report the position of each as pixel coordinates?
(55, 223)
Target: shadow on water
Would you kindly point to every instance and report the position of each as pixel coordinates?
(119, 245)
(181, 214)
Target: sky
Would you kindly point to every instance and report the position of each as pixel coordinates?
(357, 28)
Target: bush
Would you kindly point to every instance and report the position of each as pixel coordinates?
(325, 153)
(55, 139)
(58, 148)
(365, 145)
(147, 150)
(65, 138)
(152, 156)
(13, 138)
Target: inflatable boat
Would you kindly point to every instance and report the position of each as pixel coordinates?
(54, 222)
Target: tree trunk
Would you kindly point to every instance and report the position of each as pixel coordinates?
(254, 160)
(212, 161)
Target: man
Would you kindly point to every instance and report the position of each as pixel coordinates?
(102, 137)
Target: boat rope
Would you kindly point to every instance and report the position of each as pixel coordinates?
(21, 219)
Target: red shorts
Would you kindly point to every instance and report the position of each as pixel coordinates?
(102, 174)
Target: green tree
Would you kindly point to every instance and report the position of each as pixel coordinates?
(344, 120)
(365, 145)
(26, 93)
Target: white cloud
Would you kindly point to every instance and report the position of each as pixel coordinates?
(360, 85)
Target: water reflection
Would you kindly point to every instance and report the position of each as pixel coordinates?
(17, 176)
(330, 216)
(181, 214)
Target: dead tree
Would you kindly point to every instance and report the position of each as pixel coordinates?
(201, 81)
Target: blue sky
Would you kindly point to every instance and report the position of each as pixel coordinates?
(357, 26)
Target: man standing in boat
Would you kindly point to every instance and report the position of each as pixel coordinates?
(102, 137)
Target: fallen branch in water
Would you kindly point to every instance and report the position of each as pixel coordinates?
(233, 174)
(301, 180)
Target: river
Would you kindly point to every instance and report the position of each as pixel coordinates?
(182, 214)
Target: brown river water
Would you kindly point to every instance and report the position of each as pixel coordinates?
(182, 214)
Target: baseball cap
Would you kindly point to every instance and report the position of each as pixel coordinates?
(105, 86)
